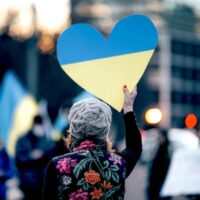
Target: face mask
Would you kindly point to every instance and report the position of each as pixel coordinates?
(38, 130)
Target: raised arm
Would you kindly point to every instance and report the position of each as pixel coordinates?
(133, 149)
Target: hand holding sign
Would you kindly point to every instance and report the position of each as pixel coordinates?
(103, 66)
(129, 99)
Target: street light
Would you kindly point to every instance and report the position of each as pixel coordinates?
(153, 116)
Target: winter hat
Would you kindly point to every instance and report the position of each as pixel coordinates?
(90, 118)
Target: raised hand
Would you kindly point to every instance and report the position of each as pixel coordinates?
(129, 99)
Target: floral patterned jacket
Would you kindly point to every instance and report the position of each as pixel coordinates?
(90, 171)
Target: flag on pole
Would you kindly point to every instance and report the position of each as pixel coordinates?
(17, 109)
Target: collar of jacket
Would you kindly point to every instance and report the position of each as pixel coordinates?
(88, 144)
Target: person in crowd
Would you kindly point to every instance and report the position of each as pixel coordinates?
(183, 178)
(5, 171)
(197, 195)
(33, 151)
(93, 170)
(159, 168)
(197, 132)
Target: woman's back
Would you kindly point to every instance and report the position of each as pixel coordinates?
(92, 170)
(89, 172)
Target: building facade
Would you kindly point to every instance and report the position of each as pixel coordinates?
(172, 79)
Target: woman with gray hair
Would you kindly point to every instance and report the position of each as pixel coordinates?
(93, 170)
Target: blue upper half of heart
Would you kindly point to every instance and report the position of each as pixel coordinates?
(82, 42)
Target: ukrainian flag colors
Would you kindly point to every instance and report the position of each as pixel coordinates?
(121, 67)
(17, 110)
(102, 66)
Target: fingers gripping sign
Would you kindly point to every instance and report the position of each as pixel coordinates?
(129, 99)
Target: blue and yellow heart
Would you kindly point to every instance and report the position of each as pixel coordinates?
(103, 66)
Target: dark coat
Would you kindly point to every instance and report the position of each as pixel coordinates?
(31, 170)
(158, 171)
(5, 172)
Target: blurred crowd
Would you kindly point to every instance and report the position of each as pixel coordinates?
(173, 161)
(33, 150)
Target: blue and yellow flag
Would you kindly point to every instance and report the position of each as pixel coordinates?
(17, 109)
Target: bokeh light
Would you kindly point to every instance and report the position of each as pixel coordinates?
(191, 121)
(153, 116)
(21, 19)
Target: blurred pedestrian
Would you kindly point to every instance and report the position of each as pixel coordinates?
(159, 167)
(183, 178)
(197, 132)
(197, 195)
(93, 170)
(5, 171)
(33, 151)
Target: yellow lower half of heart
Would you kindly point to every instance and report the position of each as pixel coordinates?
(106, 77)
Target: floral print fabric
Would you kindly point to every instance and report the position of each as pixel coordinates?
(90, 172)
(64, 165)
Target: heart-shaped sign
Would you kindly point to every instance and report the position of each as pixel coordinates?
(103, 66)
